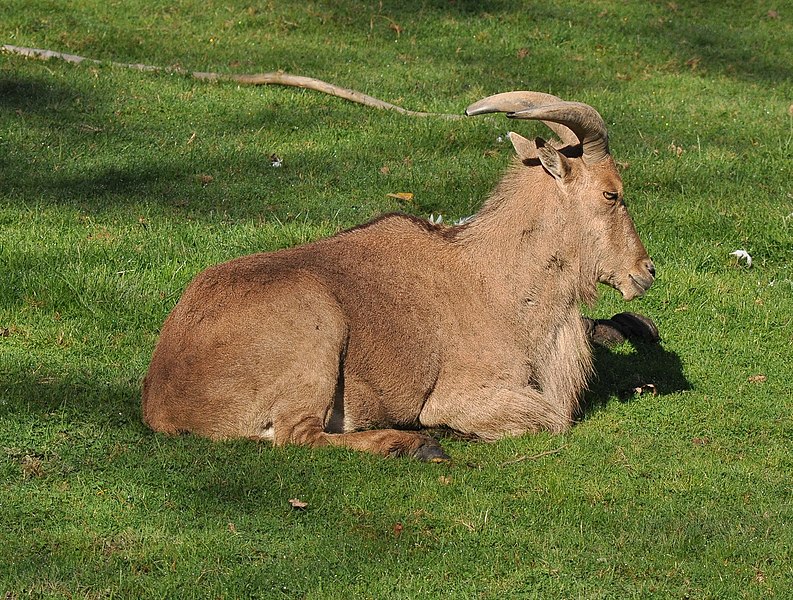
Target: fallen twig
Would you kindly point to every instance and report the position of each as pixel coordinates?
(272, 78)
(535, 456)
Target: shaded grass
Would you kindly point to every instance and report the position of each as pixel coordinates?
(117, 187)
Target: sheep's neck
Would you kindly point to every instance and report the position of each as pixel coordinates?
(525, 239)
(528, 245)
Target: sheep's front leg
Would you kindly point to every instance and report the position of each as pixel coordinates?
(614, 331)
(494, 413)
(502, 405)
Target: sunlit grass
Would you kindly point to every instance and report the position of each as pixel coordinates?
(118, 186)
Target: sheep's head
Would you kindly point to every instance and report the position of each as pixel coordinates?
(587, 178)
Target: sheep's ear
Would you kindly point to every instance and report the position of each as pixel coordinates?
(525, 149)
(552, 160)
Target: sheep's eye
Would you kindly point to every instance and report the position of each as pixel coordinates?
(611, 196)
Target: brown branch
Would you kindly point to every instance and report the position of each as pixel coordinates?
(273, 78)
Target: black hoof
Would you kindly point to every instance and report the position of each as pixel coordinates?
(637, 327)
(606, 332)
(431, 451)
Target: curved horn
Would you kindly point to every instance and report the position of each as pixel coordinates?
(564, 118)
(512, 102)
(581, 118)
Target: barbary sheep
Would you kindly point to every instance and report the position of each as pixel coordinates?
(364, 338)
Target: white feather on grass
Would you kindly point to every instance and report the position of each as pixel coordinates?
(742, 255)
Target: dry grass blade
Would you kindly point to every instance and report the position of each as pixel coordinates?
(534, 456)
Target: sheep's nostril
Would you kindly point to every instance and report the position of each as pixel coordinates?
(650, 267)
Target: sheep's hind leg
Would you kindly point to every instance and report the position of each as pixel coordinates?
(390, 442)
(308, 391)
(386, 442)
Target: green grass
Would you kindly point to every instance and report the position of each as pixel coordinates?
(107, 210)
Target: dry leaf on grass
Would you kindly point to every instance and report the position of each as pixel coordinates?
(757, 378)
(641, 389)
(297, 503)
(647, 388)
(32, 466)
(693, 63)
(402, 196)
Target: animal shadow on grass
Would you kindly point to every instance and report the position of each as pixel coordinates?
(38, 95)
(72, 399)
(631, 369)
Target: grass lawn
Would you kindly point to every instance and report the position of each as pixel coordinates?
(117, 186)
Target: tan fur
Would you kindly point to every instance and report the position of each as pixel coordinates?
(396, 325)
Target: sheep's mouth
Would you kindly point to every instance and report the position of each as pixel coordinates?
(632, 286)
(639, 286)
